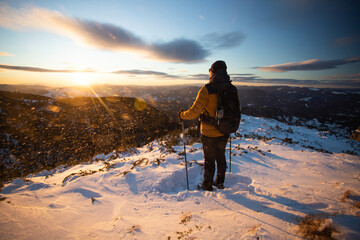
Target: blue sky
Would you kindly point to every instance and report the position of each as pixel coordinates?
(264, 42)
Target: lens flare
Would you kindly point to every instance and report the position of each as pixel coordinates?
(139, 104)
(106, 107)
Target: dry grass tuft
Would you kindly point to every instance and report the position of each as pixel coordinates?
(351, 197)
(316, 227)
(185, 218)
(133, 229)
(347, 194)
(185, 234)
(254, 229)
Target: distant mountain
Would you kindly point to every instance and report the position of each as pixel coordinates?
(39, 132)
(336, 110)
(330, 109)
(23, 88)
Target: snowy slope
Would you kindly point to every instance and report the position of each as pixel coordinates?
(279, 174)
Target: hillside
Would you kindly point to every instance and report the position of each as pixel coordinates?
(286, 182)
(331, 109)
(39, 132)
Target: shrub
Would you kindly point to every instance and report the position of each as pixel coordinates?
(316, 227)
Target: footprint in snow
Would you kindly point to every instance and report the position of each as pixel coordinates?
(176, 181)
(56, 206)
(317, 205)
(19, 185)
(85, 193)
(237, 182)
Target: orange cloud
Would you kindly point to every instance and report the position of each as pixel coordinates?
(100, 35)
(37, 69)
(5, 54)
(309, 65)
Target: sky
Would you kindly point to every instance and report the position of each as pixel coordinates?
(163, 42)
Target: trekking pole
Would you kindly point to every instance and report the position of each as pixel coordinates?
(230, 153)
(187, 178)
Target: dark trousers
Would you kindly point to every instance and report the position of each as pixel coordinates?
(214, 150)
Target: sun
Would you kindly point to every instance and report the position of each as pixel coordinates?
(82, 79)
(82, 82)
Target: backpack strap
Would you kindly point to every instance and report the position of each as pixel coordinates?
(220, 92)
(204, 116)
(211, 88)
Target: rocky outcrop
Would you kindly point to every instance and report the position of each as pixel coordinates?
(356, 135)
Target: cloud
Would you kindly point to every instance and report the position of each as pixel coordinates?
(182, 50)
(339, 81)
(104, 36)
(309, 65)
(100, 35)
(146, 72)
(252, 79)
(42, 70)
(346, 83)
(355, 76)
(243, 76)
(5, 54)
(223, 40)
(243, 79)
(199, 77)
(336, 81)
(345, 41)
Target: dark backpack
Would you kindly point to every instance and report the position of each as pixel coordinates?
(228, 113)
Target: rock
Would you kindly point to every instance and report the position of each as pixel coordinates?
(356, 135)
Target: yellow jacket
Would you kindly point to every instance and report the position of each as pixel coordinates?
(204, 101)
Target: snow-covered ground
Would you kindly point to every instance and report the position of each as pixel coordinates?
(279, 174)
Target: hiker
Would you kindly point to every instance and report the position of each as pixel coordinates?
(213, 141)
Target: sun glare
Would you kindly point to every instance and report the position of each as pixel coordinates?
(82, 82)
(82, 79)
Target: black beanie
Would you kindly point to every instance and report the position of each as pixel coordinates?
(218, 65)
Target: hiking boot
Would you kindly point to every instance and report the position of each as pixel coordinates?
(219, 185)
(206, 188)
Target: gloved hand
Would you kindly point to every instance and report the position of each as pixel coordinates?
(181, 110)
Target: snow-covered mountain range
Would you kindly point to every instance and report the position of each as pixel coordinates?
(286, 182)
